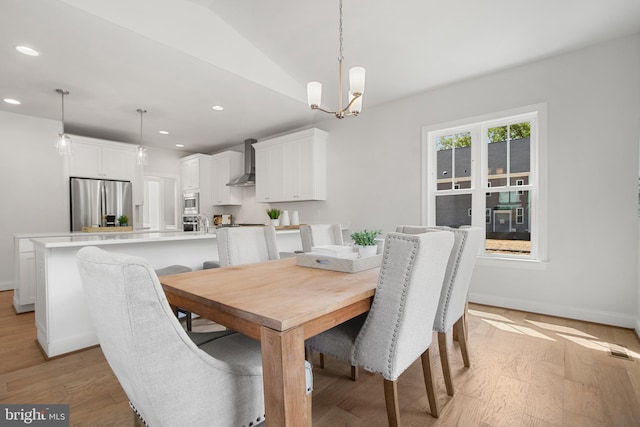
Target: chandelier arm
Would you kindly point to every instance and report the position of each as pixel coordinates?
(355, 96)
(315, 107)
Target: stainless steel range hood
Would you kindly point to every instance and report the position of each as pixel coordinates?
(248, 179)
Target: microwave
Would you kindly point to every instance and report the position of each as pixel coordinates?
(191, 204)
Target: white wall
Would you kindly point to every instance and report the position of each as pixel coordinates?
(593, 99)
(31, 184)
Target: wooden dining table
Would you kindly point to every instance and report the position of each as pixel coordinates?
(280, 304)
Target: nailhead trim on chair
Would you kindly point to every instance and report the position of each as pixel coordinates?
(133, 408)
(409, 268)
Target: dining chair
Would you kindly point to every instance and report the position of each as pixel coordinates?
(169, 380)
(320, 234)
(390, 337)
(452, 307)
(245, 245)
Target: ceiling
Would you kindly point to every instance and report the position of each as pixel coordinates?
(178, 58)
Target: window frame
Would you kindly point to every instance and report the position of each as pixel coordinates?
(537, 183)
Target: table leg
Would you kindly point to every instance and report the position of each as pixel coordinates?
(284, 377)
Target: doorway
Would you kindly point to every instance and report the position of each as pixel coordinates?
(161, 207)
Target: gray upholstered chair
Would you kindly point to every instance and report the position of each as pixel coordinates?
(169, 380)
(177, 269)
(390, 337)
(245, 245)
(320, 234)
(452, 308)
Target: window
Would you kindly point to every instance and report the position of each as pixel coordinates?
(485, 173)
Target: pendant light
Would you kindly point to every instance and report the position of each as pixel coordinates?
(142, 157)
(64, 141)
(356, 87)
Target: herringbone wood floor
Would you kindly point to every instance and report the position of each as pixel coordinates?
(526, 370)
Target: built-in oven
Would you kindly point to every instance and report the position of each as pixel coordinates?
(190, 223)
(191, 204)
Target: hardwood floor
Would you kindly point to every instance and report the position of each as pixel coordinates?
(526, 370)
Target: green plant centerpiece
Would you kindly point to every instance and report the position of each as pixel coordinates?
(123, 220)
(274, 215)
(366, 241)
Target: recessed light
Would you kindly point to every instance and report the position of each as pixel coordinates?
(180, 145)
(163, 132)
(27, 50)
(217, 108)
(11, 101)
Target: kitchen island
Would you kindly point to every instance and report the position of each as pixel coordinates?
(62, 320)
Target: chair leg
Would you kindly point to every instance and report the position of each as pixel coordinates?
(189, 321)
(444, 360)
(428, 382)
(391, 400)
(355, 373)
(321, 360)
(460, 326)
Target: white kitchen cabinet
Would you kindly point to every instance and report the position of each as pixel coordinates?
(225, 167)
(195, 174)
(24, 271)
(102, 159)
(292, 167)
(268, 173)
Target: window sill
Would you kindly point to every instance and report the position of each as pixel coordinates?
(522, 264)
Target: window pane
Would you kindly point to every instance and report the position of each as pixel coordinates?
(520, 152)
(497, 156)
(509, 231)
(453, 211)
(454, 161)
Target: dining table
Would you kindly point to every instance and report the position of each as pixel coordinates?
(281, 304)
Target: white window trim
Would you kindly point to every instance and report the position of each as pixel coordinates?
(539, 206)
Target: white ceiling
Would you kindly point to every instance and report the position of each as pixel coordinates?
(177, 58)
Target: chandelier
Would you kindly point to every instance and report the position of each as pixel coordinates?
(64, 141)
(142, 158)
(356, 87)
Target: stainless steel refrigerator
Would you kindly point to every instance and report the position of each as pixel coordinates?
(98, 202)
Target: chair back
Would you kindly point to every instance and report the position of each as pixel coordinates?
(246, 245)
(407, 293)
(320, 234)
(455, 287)
(167, 378)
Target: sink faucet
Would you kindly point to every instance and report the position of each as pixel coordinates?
(202, 218)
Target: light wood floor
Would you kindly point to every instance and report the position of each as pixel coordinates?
(526, 370)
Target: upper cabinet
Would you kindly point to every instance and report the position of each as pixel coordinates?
(102, 159)
(225, 167)
(195, 174)
(292, 167)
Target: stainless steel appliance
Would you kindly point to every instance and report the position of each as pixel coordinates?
(190, 223)
(191, 204)
(98, 202)
(249, 177)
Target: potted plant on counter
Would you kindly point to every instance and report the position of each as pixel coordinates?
(123, 220)
(274, 215)
(366, 242)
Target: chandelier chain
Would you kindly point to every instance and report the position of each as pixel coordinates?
(340, 57)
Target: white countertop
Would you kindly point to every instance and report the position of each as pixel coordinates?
(81, 233)
(113, 238)
(88, 239)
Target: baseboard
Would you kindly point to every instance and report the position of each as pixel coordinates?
(6, 285)
(595, 316)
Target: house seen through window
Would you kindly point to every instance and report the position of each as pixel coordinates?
(486, 168)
